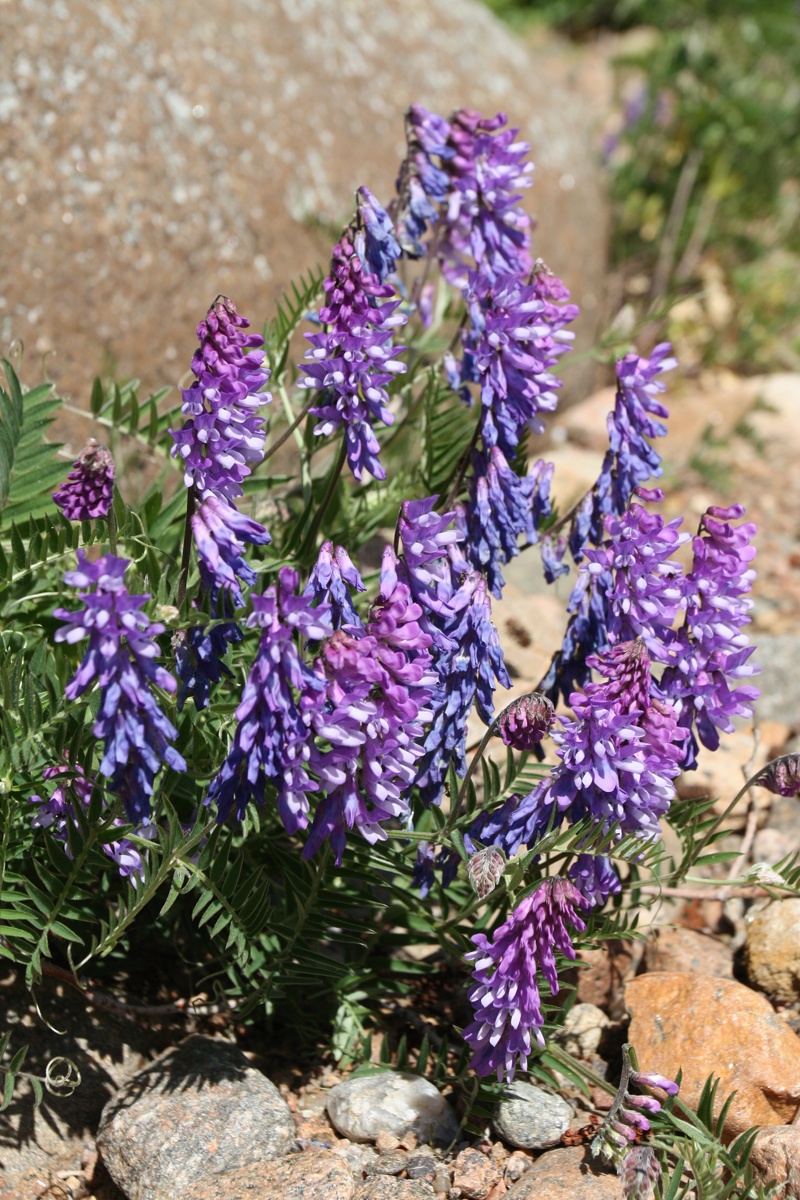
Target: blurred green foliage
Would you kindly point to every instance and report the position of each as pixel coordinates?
(706, 161)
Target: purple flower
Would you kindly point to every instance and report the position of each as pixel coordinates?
(499, 511)
(506, 1002)
(120, 659)
(426, 538)
(57, 813)
(352, 363)
(595, 879)
(220, 533)
(553, 552)
(630, 460)
(586, 634)
(272, 742)
(89, 489)
(515, 337)
(620, 754)
(380, 686)
(624, 1121)
(645, 585)
(222, 438)
(199, 652)
(331, 581)
(525, 722)
(711, 652)
(468, 672)
(375, 241)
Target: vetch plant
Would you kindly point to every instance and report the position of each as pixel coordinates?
(252, 687)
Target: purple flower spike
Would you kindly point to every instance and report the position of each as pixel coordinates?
(89, 489)
(199, 653)
(506, 1002)
(220, 533)
(120, 659)
(375, 240)
(595, 878)
(331, 582)
(272, 742)
(222, 437)
(352, 363)
(527, 721)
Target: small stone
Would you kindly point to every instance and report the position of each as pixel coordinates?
(582, 1030)
(409, 1141)
(775, 1158)
(386, 1142)
(680, 949)
(441, 1185)
(531, 1118)
(357, 1156)
(388, 1164)
(772, 950)
(198, 1110)
(601, 976)
(384, 1187)
(312, 1175)
(475, 1174)
(421, 1166)
(518, 1163)
(717, 1027)
(393, 1102)
(569, 1174)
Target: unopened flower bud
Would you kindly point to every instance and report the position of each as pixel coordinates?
(639, 1171)
(89, 488)
(782, 777)
(484, 870)
(526, 721)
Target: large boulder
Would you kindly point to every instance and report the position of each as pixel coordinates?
(157, 154)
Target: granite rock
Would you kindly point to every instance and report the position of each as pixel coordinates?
(198, 1110)
(157, 154)
(775, 1158)
(312, 1175)
(387, 1188)
(568, 1174)
(475, 1174)
(582, 1030)
(531, 1118)
(391, 1102)
(772, 950)
(710, 1026)
(675, 948)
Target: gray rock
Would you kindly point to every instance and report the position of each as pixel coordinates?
(778, 656)
(197, 1111)
(531, 1118)
(772, 950)
(313, 1175)
(394, 1102)
(156, 154)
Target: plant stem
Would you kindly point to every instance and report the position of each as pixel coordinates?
(319, 515)
(191, 501)
(287, 433)
(476, 758)
(463, 463)
(111, 521)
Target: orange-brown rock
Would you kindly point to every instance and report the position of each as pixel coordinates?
(772, 950)
(706, 1026)
(679, 949)
(569, 1174)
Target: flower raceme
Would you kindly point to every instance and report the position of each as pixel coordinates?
(506, 999)
(120, 660)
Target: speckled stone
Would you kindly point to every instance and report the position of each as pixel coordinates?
(197, 1111)
(568, 1174)
(387, 1188)
(396, 1102)
(475, 1174)
(775, 1158)
(772, 950)
(154, 155)
(531, 1118)
(717, 1026)
(312, 1175)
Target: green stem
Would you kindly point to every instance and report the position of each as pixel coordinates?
(111, 521)
(476, 758)
(287, 433)
(305, 465)
(191, 501)
(319, 515)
